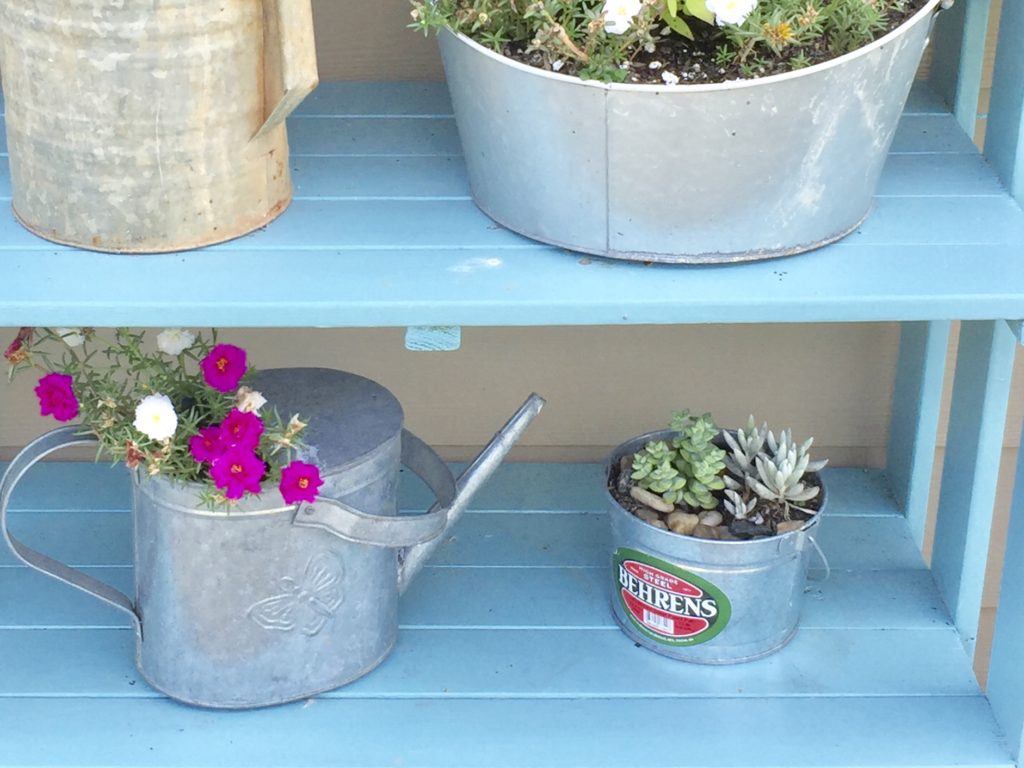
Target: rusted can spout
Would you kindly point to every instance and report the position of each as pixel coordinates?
(411, 561)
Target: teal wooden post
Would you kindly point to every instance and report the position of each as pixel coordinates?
(914, 425)
(959, 46)
(1004, 147)
(1004, 143)
(1006, 672)
(981, 391)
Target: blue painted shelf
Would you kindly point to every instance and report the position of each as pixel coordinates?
(508, 655)
(383, 233)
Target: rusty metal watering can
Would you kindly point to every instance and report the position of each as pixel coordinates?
(270, 602)
(146, 127)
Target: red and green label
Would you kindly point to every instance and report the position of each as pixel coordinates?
(666, 603)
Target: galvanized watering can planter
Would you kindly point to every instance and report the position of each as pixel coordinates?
(701, 600)
(142, 127)
(269, 603)
(698, 174)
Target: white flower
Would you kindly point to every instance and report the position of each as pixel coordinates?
(670, 78)
(731, 11)
(249, 401)
(174, 341)
(619, 15)
(73, 337)
(155, 417)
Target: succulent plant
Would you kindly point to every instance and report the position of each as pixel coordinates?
(774, 474)
(698, 459)
(654, 470)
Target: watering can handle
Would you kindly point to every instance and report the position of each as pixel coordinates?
(34, 452)
(383, 530)
(290, 69)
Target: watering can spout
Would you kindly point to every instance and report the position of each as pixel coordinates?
(469, 482)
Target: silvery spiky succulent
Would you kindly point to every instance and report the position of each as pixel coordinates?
(780, 475)
(745, 447)
(773, 469)
(742, 508)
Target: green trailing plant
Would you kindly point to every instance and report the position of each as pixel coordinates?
(601, 39)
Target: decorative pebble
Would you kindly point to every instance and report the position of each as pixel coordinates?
(647, 515)
(655, 65)
(670, 78)
(651, 500)
(625, 470)
(748, 529)
(659, 523)
(702, 531)
(711, 518)
(788, 526)
(682, 522)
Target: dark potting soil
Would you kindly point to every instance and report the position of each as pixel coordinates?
(694, 61)
(632, 506)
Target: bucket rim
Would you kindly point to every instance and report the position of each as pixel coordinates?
(671, 536)
(928, 11)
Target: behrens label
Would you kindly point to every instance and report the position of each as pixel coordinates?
(666, 603)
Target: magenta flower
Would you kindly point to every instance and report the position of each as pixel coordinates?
(299, 482)
(56, 397)
(241, 430)
(238, 471)
(206, 446)
(224, 367)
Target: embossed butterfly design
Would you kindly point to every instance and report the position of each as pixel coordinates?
(308, 605)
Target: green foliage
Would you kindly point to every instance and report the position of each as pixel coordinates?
(573, 36)
(112, 376)
(689, 469)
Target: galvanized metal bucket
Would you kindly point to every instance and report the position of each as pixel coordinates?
(146, 127)
(690, 173)
(269, 602)
(700, 600)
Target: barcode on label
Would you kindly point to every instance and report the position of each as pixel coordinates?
(660, 623)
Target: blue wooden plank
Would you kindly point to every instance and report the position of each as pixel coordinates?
(553, 663)
(959, 41)
(1004, 142)
(376, 99)
(842, 732)
(914, 425)
(929, 134)
(431, 136)
(444, 177)
(1006, 673)
(515, 486)
(506, 538)
(488, 597)
(521, 287)
(458, 225)
(970, 471)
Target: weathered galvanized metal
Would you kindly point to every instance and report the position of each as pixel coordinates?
(142, 127)
(271, 602)
(701, 600)
(698, 174)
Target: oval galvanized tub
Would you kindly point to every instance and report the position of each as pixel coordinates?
(142, 127)
(698, 174)
(705, 601)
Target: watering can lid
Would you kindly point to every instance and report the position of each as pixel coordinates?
(348, 415)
